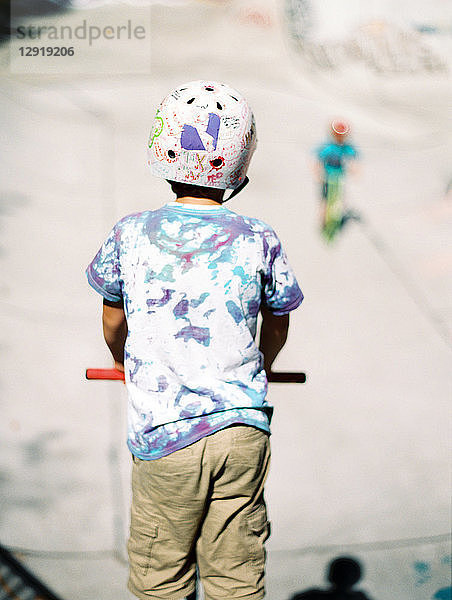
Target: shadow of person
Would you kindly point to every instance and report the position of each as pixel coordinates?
(343, 573)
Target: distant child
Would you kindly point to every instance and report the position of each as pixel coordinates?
(332, 159)
(183, 286)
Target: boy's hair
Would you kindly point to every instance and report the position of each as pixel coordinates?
(196, 191)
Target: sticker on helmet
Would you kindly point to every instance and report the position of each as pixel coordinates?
(190, 138)
(157, 129)
(213, 128)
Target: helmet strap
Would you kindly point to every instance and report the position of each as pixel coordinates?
(238, 189)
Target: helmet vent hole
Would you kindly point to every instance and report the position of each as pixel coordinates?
(190, 101)
(217, 162)
(234, 98)
(209, 89)
(219, 106)
(171, 154)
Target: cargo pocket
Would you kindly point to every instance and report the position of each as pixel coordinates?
(258, 532)
(140, 547)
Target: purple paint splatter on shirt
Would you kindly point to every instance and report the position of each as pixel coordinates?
(158, 302)
(181, 309)
(199, 334)
(222, 266)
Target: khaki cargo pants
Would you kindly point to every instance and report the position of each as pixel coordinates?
(201, 506)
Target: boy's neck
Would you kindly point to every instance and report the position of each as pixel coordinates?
(201, 201)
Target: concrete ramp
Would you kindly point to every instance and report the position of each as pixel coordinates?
(361, 452)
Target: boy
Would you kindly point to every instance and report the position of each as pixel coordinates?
(332, 159)
(182, 288)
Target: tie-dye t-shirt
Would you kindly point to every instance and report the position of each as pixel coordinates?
(192, 279)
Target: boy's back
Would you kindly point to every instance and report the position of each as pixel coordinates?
(192, 278)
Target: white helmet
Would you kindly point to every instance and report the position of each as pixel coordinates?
(203, 134)
(340, 129)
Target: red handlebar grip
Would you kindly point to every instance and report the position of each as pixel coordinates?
(278, 377)
(111, 374)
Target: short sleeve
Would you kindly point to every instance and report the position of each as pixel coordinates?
(351, 151)
(319, 152)
(104, 271)
(281, 292)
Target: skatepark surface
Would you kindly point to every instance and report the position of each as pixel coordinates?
(360, 453)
